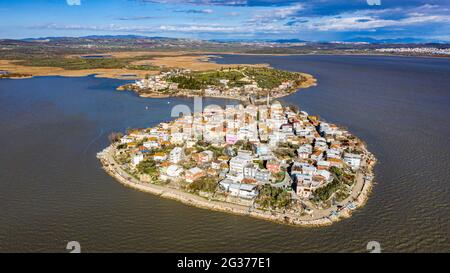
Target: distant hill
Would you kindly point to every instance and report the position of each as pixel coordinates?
(289, 41)
(369, 40)
(106, 43)
(126, 37)
(122, 37)
(278, 41)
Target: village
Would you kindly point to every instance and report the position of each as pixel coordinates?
(265, 157)
(242, 83)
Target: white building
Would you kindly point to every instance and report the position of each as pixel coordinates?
(250, 171)
(126, 140)
(176, 155)
(137, 158)
(245, 191)
(151, 144)
(304, 151)
(354, 160)
(238, 163)
(159, 157)
(174, 171)
(325, 174)
(333, 153)
(177, 138)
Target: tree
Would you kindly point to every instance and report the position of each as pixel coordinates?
(205, 184)
(148, 167)
(294, 108)
(273, 197)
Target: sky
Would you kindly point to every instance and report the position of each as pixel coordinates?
(311, 20)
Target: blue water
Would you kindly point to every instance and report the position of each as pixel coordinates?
(52, 189)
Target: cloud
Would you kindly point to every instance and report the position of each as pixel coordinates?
(373, 2)
(344, 22)
(252, 3)
(135, 18)
(288, 20)
(318, 5)
(165, 28)
(385, 18)
(73, 2)
(197, 11)
(233, 13)
(297, 18)
(201, 2)
(276, 14)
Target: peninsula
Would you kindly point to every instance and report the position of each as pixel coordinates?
(264, 160)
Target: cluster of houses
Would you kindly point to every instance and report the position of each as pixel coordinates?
(250, 89)
(159, 83)
(258, 144)
(416, 50)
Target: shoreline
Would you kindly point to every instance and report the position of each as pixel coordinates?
(196, 60)
(110, 166)
(333, 54)
(38, 71)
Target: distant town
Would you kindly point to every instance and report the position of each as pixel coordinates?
(417, 50)
(244, 83)
(264, 160)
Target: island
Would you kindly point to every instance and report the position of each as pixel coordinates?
(245, 83)
(260, 159)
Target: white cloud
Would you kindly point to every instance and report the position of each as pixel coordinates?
(73, 2)
(360, 22)
(275, 14)
(288, 20)
(197, 11)
(202, 2)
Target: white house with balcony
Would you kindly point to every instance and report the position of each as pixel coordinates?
(354, 160)
(176, 155)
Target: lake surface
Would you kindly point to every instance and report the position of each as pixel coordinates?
(52, 189)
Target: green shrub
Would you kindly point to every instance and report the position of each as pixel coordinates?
(273, 198)
(206, 184)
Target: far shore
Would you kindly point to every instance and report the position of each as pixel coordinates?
(35, 71)
(194, 60)
(197, 61)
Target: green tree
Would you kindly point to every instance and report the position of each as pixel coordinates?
(273, 198)
(205, 184)
(115, 137)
